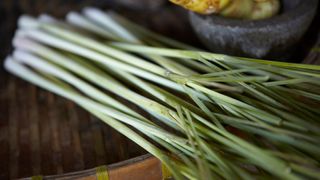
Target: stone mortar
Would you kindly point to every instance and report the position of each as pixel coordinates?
(273, 38)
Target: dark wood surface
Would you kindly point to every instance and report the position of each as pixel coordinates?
(41, 133)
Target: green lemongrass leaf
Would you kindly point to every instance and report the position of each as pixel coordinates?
(209, 56)
(109, 23)
(221, 87)
(177, 66)
(171, 65)
(258, 156)
(307, 94)
(226, 99)
(293, 74)
(312, 173)
(157, 92)
(203, 107)
(210, 65)
(227, 72)
(242, 174)
(118, 31)
(95, 45)
(103, 20)
(191, 168)
(202, 162)
(219, 96)
(295, 158)
(146, 33)
(312, 74)
(303, 145)
(233, 79)
(293, 95)
(227, 169)
(273, 96)
(282, 64)
(79, 21)
(297, 122)
(169, 53)
(286, 82)
(157, 51)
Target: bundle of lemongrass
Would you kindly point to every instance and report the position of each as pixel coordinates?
(217, 116)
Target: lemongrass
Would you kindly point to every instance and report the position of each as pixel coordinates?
(26, 74)
(199, 104)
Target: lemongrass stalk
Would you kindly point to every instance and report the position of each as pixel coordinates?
(143, 32)
(85, 73)
(38, 63)
(250, 89)
(210, 113)
(162, 95)
(107, 50)
(107, 61)
(194, 139)
(145, 127)
(297, 122)
(76, 19)
(222, 73)
(287, 82)
(166, 52)
(45, 67)
(285, 96)
(311, 77)
(222, 79)
(103, 18)
(308, 147)
(28, 75)
(310, 172)
(118, 33)
(25, 58)
(176, 53)
(278, 167)
(95, 45)
(85, 42)
(108, 22)
(223, 98)
(103, 81)
(97, 77)
(211, 134)
(141, 142)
